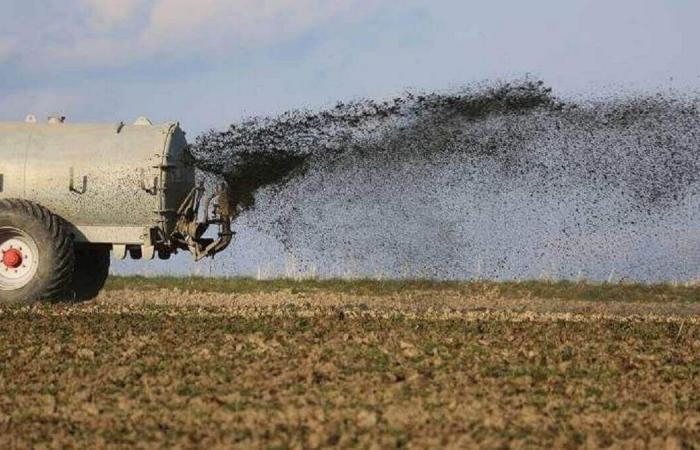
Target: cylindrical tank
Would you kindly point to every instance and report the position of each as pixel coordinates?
(71, 193)
(112, 183)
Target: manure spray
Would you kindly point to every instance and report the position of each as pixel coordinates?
(501, 181)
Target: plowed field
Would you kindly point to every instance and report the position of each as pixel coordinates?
(306, 367)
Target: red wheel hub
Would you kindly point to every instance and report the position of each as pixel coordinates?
(12, 258)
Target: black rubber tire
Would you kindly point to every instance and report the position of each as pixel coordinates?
(54, 244)
(90, 275)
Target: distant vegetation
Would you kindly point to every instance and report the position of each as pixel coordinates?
(565, 290)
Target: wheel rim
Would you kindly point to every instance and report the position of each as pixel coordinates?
(19, 258)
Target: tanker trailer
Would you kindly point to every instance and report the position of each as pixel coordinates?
(72, 193)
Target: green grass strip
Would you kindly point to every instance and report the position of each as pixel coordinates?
(565, 290)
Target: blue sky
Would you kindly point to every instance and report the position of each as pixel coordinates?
(209, 62)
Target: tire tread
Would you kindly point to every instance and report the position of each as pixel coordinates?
(61, 242)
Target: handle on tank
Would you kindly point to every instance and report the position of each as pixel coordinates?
(71, 184)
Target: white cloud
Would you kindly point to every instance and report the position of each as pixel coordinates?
(249, 21)
(118, 32)
(106, 14)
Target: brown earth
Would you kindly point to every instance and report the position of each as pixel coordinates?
(416, 369)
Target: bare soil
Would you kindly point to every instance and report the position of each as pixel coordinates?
(421, 368)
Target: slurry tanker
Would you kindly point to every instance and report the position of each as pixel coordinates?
(71, 194)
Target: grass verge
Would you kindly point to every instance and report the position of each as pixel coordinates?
(564, 290)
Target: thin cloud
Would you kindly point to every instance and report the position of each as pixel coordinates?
(107, 14)
(114, 33)
(246, 20)
(7, 49)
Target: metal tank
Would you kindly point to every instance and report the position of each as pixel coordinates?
(129, 188)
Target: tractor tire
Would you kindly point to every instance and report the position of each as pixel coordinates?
(90, 275)
(36, 253)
